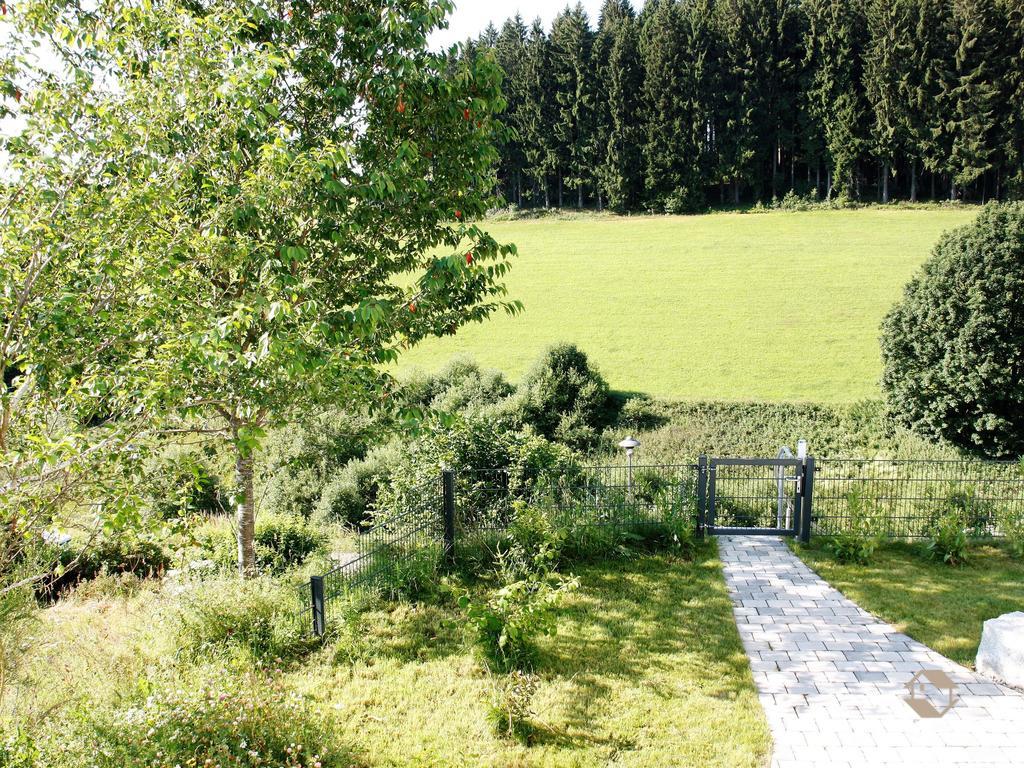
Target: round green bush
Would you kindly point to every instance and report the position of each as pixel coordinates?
(565, 399)
(953, 347)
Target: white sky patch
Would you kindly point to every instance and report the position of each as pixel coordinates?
(472, 16)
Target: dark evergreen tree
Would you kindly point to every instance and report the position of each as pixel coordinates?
(574, 84)
(510, 51)
(538, 112)
(621, 77)
(977, 41)
(834, 42)
(760, 70)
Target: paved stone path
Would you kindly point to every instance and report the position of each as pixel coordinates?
(832, 677)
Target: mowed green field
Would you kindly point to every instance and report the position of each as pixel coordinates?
(776, 306)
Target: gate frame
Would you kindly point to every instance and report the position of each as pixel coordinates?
(801, 525)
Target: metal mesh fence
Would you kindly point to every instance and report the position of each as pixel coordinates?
(750, 495)
(622, 496)
(905, 498)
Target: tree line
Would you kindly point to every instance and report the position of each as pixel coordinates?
(690, 103)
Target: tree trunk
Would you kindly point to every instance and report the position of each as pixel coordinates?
(519, 189)
(885, 182)
(828, 183)
(817, 178)
(547, 194)
(245, 515)
(579, 196)
(952, 188)
(913, 180)
(736, 190)
(600, 201)
(560, 198)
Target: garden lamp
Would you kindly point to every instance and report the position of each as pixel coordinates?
(630, 444)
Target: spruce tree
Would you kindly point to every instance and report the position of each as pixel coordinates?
(976, 39)
(887, 70)
(510, 52)
(834, 42)
(621, 170)
(538, 112)
(575, 118)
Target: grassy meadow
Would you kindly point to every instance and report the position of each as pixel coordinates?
(780, 306)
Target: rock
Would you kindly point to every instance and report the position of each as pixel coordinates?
(1001, 653)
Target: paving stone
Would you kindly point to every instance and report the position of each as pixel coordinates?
(831, 676)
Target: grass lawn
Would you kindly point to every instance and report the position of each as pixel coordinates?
(940, 606)
(646, 670)
(778, 306)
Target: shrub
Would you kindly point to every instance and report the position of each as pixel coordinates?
(461, 386)
(947, 539)
(182, 484)
(565, 399)
(407, 573)
(511, 705)
(508, 622)
(142, 558)
(225, 720)
(1011, 525)
(857, 542)
(258, 618)
(947, 343)
(300, 459)
(350, 495)
(282, 542)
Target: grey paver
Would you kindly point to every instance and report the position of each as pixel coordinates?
(831, 677)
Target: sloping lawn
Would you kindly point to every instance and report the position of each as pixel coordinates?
(724, 306)
(646, 670)
(940, 606)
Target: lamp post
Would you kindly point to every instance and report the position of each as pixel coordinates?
(630, 444)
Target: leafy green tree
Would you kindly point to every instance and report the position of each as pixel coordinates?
(267, 179)
(760, 70)
(953, 347)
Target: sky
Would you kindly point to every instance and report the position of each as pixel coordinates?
(471, 16)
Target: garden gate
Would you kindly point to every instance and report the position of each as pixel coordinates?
(769, 497)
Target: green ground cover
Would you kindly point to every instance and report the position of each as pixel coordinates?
(941, 606)
(646, 669)
(775, 306)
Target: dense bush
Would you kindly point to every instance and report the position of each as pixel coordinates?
(257, 618)
(182, 484)
(952, 346)
(565, 399)
(73, 564)
(281, 543)
(229, 719)
(351, 493)
(301, 459)
(461, 386)
(1011, 525)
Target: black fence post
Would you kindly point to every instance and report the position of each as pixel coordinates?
(448, 508)
(316, 588)
(702, 489)
(806, 502)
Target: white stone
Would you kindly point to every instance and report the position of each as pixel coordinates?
(1001, 653)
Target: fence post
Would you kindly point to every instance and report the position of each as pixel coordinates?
(316, 588)
(806, 502)
(702, 489)
(448, 508)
